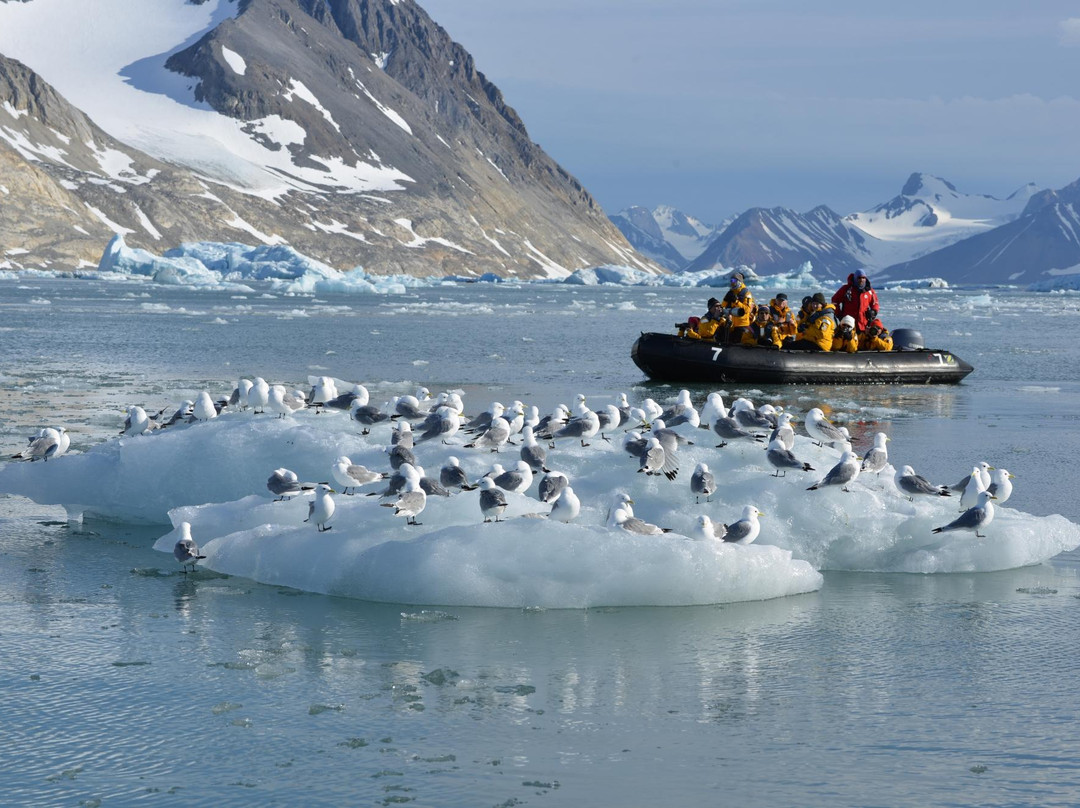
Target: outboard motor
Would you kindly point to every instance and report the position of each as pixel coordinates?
(907, 339)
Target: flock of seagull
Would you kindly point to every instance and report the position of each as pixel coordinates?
(651, 437)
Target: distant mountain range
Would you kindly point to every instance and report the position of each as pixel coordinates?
(355, 131)
(929, 229)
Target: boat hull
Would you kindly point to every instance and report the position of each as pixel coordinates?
(667, 357)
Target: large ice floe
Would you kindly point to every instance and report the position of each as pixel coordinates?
(213, 475)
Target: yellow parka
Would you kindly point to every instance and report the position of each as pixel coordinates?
(738, 299)
(706, 329)
(783, 318)
(820, 326)
(850, 343)
(880, 342)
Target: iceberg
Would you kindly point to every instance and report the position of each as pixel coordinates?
(213, 475)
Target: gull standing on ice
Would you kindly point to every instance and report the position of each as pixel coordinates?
(842, 474)
(452, 475)
(401, 434)
(532, 452)
(566, 507)
(708, 529)
(321, 509)
(492, 500)
(821, 429)
(366, 414)
(1000, 485)
(552, 485)
(974, 487)
(410, 504)
(517, 480)
(683, 412)
(656, 460)
(781, 458)
(784, 431)
(702, 483)
(137, 422)
(631, 524)
(877, 457)
(496, 435)
(204, 408)
(980, 515)
(186, 551)
(746, 530)
(983, 469)
(443, 423)
(322, 392)
(349, 475)
(44, 445)
(585, 424)
(912, 484)
(259, 394)
(284, 483)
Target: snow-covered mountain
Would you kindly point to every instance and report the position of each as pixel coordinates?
(666, 235)
(777, 240)
(355, 131)
(1039, 246)
(930, 213)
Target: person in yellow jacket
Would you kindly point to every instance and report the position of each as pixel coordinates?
(817, 329)
(738, 306)
(705, 328)
(845, 338)
(782, 316)
(763, 331)
(876, 338)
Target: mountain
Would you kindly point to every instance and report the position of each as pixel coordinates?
(775, 240)
(930, 213)
(1042, 243)
(355, 131)
(665, 234)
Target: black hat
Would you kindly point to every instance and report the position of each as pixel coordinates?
(781, 296)
(713, 302)
(819, 298)
(737, 276)
(806, 300)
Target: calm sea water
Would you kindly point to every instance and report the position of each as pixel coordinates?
(126, 683)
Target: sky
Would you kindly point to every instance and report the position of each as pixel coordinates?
(716, 106)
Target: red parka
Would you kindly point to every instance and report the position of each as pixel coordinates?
(860, 304)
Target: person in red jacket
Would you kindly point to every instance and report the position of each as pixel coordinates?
(857, 299)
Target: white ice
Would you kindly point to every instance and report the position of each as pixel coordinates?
(213, 475)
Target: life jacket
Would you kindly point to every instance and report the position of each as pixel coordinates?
(736, 299)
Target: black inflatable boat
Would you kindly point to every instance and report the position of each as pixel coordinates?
(669, 358)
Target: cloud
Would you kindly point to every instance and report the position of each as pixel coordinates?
(1070, 31)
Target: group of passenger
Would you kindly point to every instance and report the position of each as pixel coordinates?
(849, 322)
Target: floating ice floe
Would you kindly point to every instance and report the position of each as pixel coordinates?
(213, 475)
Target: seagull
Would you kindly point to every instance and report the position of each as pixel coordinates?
(702, 483)
(44, 445)
(411, 503)
(980, 515)
(482, 421)
(984, 474)
(728, 429)
(559, 416)
(343, 401)
(349, 475)
(517, 480)
(781, 458)
(185, 412)
(322, 392)
(276, 401)
(204, 409)
(566, 507)
(620, 500)
(400, 454)
(610, 417)
(631, 524)
(1000, 485)
(683, 412)
(452, 475)
(406, 407)
(746, 529)
(492, 500)
(877, 457)
(843, 473)
(496, 435)
(708, 529)
(552, 485)
(656, 460)
(137, 422)
(635, 445)
(585, 424)
(259, 394)
(914, 484)
(443, 423)
(712, 409)
(784, 431)
(821, 429)
(975, 484)
(532, 452)
(401, 434)
(285, 484)
(186, 551)
(746, 416)
(239, 397)
(367, 414)
(321, 509)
